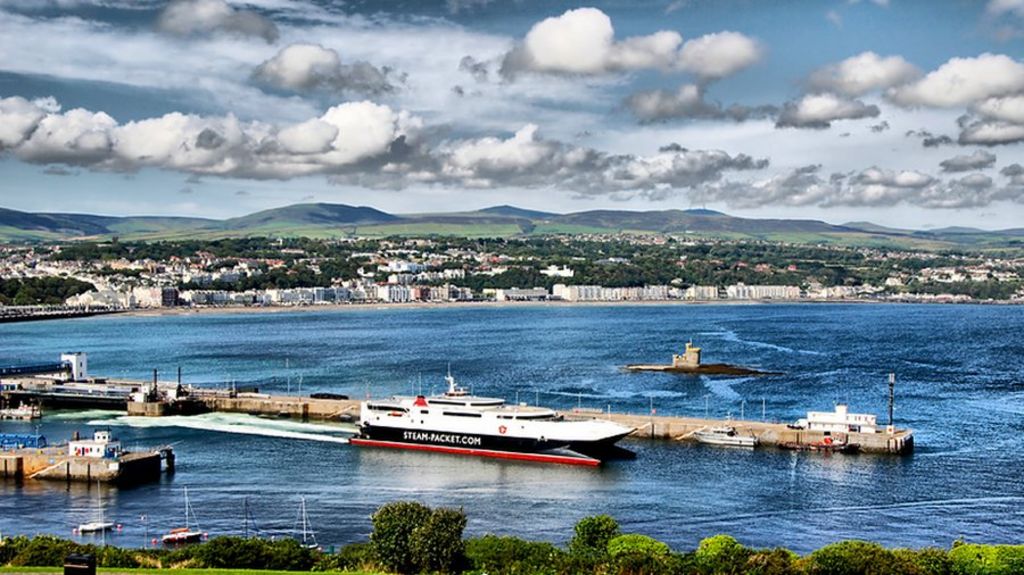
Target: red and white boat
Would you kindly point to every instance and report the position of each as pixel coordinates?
(460, 423)
(188, 533)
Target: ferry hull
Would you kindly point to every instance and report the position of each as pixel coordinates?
(459, 440)
(564, 459)
(498, 446)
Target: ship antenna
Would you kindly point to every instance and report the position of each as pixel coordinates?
(450, 380)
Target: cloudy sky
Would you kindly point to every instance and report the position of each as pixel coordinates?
(905, 113)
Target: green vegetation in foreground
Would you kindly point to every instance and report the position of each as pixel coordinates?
(151, 571)
(410, 538)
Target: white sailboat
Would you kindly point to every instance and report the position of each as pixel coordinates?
(308, 535)
(188, 533)
(98, 526)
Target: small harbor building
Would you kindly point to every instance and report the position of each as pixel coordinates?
(839, 421)
(101, 446)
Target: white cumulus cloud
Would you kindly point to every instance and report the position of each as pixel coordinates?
(189, 17)
(820, 110)
(582, 41)
(863, 73)
(302, 67)
(1006, 109)
(962, 81)
(718, 55)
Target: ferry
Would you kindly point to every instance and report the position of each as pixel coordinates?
(461, 423)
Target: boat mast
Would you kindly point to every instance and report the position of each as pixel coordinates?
(99, 503)
(892, 400)
(307, 533)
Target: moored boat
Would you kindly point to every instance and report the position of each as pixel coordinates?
(96, 527)
(23, 412)
(725, 436)
(461, 423)
(188, 533)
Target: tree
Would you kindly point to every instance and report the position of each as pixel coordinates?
(437, 544)
(512, 556)
(638, 554)
(593, 535)
(721, 554)
(391, 539)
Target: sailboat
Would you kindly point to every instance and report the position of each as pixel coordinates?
(186, 534)
(248, 519)
(308, 535)
(98, 526)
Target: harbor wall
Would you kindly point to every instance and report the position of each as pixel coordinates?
(771, 434)
(54, 464)
(647, 427)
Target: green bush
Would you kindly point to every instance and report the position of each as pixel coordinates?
(437, 544)
(10, 547)
(50, 551)
(777, 561)
(352, 557)
(721, 555)
(391, 540)
(635, 554)
(592, 535)
(635, 544)
(496, 555)
(249, 553)
(859, 558)
(927, 561)
(972, 559)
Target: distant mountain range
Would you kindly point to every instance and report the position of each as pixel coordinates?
(340, 220)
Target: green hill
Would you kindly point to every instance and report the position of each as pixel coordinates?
(339, 220)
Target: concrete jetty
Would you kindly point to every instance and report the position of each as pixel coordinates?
(676, 428)
(672, 428)
(156, 399)
(97, 459)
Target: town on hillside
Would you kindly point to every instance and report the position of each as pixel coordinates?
(265, 272)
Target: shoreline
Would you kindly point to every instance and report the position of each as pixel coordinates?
(379, 306)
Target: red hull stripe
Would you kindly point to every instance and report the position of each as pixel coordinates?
(542, 457)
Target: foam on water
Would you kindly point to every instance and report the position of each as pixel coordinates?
(87, 415)
(238, 423)
(723, 387)
(733, 337)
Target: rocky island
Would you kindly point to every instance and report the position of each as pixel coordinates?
(689, 363)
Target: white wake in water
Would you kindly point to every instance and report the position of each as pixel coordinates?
(88, 414)
(723, 387)
(731, 336)
(239, 423)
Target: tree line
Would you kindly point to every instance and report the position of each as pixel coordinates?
(411, 538)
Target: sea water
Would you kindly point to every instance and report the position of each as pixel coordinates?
(960, 387)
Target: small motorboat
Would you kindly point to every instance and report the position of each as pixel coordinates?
(24, 412)
(725, 436)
